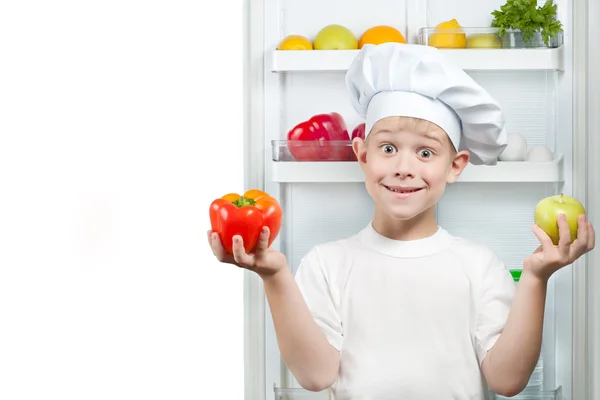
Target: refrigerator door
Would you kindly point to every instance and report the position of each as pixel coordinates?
(326, 201)
(586, 166)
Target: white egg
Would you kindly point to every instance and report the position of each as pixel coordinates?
(539, 153)
(516, 150)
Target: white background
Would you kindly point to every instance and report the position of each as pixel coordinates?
(120, 121)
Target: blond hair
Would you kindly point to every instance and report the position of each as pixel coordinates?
(419, 125)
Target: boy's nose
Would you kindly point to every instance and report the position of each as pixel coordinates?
(404, 167)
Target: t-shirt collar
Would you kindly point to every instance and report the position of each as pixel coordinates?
(437, 242)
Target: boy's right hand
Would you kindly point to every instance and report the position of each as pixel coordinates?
(265, 261)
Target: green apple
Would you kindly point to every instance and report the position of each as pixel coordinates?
(547, 211)
(484, 41)
(335, 37)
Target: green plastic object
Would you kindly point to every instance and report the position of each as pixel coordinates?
(516, 274)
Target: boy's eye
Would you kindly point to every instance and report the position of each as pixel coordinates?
(388, 149)
(425, 153)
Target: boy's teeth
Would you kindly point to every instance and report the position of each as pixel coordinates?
(402, 191)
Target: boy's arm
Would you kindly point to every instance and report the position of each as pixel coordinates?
(303, 346)
(510, 362)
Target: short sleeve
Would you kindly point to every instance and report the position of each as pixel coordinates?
(495, 297)
(315, 288)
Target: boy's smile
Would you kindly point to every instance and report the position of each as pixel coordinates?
(402, 192)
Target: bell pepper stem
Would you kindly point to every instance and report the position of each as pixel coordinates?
(243, 201)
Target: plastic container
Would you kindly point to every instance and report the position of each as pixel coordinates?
(513, 39)
(555, 394)
(300, 394)
(482, 38)
(312, 150)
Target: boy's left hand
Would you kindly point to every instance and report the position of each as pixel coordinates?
(549, 258)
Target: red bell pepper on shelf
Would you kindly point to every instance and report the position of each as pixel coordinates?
(318, 139)
(359, 131)
(339, 126)
(245, 215)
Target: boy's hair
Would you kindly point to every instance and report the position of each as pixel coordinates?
(417, 125)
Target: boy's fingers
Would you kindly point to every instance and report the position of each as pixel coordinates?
(239, 253)
(218, 249)
(582, 236)
(263, 239)
(591, 237)
(216, 246)
(564, 241)
(543, 237)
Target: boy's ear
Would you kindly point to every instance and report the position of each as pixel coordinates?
(459, 163)
(360, 150)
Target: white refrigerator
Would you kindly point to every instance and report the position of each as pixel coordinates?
(549, 95)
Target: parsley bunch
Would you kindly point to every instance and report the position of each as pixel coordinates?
(524, 15)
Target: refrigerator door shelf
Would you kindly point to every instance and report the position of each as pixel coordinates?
(532, 395)
(299, 394)
(312, 150)
(484, 38)
(348, 171)
(509, 59)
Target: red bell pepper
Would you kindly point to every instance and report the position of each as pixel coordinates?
(359, 131)
(245, 215)
(310, 140)
(339, 127)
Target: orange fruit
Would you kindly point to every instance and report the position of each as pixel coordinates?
(381, 34)
(295, 42)
(448, 36)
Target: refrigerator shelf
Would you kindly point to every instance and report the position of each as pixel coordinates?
(350, 171)
(302, 394)
(299, 394)
(555, 394)
(484, 37)
(525, 59)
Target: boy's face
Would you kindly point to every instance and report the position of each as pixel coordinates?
(407, 163)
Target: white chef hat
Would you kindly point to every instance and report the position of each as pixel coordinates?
(397, 79)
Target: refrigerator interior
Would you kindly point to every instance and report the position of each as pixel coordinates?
(325, 201)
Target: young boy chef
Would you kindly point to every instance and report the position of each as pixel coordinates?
(403, 309)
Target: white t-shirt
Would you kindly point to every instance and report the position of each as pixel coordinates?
(412, 319)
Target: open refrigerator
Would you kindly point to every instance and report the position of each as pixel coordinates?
(547, 96)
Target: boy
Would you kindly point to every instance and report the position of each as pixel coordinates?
(402, 309)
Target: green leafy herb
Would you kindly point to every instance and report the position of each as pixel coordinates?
(524, 15)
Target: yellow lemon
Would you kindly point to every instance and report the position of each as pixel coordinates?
(448, 36)
(295, 42)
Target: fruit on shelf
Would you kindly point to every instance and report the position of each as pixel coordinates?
(295, 42)
(547, 211)
(448, 35)
(381, 34)
(484, 41)
(320, 138)
(335, 37)
(359, 131)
